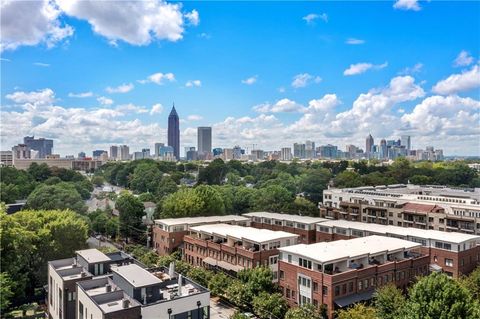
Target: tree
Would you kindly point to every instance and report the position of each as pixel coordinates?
(272, 198)
(146, 178)
(146, 197)
(166, 187)
(130, 218)
(200, 275)
(219, 283)
(99, 223)
(59, 196)
(358, 311)
(98, 180)
(112, 226)
(313, 182)
(237, 293)
(348, 179)
(472, 283)
(389, 302)
(302, 206)
(183, 203)
(39, 172)
(305, 311)
(6, 293)
(239, 315)
(420, 180)
(214, 173)
(267, 305)
(438, 296)
(9, 193)
(212, 203)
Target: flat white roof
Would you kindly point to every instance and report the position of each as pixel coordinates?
(136, 275)
(93, 255)
(350, 249)
(240, 232)
(200, 220)
(287, 217)
(451, 237)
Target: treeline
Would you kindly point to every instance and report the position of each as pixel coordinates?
(45, 187)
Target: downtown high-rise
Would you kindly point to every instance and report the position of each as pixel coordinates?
(174, 132)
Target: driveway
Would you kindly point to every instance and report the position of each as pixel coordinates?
(220, 309)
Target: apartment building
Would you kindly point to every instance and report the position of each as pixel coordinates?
(333, 275)
(304, 226)
(426, 207)
(232, 248)
(168, 233)
(133, 292)
(64, 274)
(451, 252)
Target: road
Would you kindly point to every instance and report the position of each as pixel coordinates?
(220, 309)
(95, 243)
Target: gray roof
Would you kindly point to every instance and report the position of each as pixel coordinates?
(136, 275)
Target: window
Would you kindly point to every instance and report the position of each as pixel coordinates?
(324, 290)
(360, 285)
(289, 258)
(315, 286)
(337, 290)
(344, 288)
(287, 293)
(282, 274)
(80, 309)
(448, 262)
(350, 286)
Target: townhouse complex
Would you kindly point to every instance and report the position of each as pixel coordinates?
(97, 285)
(426, 207)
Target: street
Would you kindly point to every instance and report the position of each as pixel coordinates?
(220, 310)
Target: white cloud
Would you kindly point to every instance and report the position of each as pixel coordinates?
(44, 65)
(441, 116)
(158, 78)
(205, 35)
(38, 98)
(123, 88)
(407, 5)
(134, 22)
(192, 83)
(354, 41)
(360, 68)
(5, 60)
(194, 117)
(104, 100)
(131, 108)
(463, 59)
(251, 80)
(28, 23)
(412, 70)
(156, 109)
(304, 79)
(81, 95)
(281, 89)
(455, 83)
(311, 17)
(281, 106)
(193, 17)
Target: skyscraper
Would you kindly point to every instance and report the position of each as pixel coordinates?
(42, 145)
(174, 132)
(383, 153)
(405, 141)
(157, 148)
(124, 152)
(204, 138)
(369, 144)
(114, 152)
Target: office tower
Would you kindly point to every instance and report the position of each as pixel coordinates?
(114, 152)
(257, 155)
(217, 151)
(124, 152)
(204, 138)
(351, 151)
(137, 155)
(191, 154)
(146, 152)
(81, 155)
(286, 154)
(21, 151)
(299, 150)
(309, 149)
(174, 132)
(98, 153)
(328, 151)
(157, 148)
(369, 142)
(42, 145)
(405, 141)
(383, 151)
(228, 154)
(237, 152)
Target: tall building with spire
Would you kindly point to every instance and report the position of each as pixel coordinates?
(174, 132)
(369, 144)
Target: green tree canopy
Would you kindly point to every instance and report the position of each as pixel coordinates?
(306, 311)
(267, 305)
(59, 196)
(272, 198)
(146, 178)
(130, 219)
(358, 311)
(389, 302)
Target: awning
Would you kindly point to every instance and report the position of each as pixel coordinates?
(210, 261)
(348, 300)
(229, 266)
(435, 267)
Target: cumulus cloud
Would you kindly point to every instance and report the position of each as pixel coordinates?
(251, 80)
(44, 65)
(192, 83)
(134, 22)
(360, 68)
(311, 17)
(80, 95)
(463, 59)
(104, 100)
(28, 23)
(281, 106)
(131, 108)
(156, 109)
(407, 5)
(194, 117)
(465, 81)
(123, 88)
(37, 98)
(412, 70)
(159, 78)
(304, 79)
(354, 41)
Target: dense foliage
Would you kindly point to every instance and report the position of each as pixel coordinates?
(29, 239)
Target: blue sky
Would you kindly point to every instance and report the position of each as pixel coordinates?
(264, 73)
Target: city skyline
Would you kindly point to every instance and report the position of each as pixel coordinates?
(334, 81)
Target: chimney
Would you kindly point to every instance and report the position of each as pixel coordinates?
(125, 303)
(83, 274)
(108, 287)
(180, 282)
